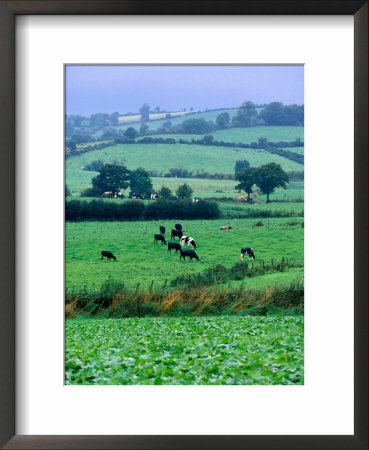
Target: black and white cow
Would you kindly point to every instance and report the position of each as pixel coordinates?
(159, 237)
(195, 200)
(189, 241)
(247, 251)
(162, 229)
(138, 196)
(178, 226)
(175, 233)
(154, 196)
(174, 246)
(108, 255)
(189, 253)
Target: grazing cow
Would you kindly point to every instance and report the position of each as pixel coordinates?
(247, 251)
(108, 194)
(154, 196)
(162, 229)
(173, 246)
(226, 227)
(138, 196)
(178, 226)
(108, 255)
(119, 195)
(189, 241)
(176, 233)
(159, 237)
(195, 200)
(190, 253)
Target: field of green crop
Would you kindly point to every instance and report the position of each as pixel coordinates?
(224, 350)
(140, 260)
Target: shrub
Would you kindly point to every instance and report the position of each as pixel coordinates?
(76, 210)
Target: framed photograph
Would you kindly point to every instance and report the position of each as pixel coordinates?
(185, 225)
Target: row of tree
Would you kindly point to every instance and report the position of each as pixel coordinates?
(247, 115)
(116, 177)
(267, 177)
(76, 210)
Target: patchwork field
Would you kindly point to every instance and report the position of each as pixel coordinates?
(186, 350)
(139, 260)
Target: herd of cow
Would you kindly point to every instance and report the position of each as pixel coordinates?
(179, 246)
(136, 196)
(183, 240)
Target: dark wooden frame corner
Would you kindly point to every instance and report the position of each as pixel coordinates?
(8, 11)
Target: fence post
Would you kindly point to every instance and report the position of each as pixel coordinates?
(272, 263)
(138, 285)
(263, 265)
(152, 282)
(165, 283)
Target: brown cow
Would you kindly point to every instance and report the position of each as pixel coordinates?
(226, 227)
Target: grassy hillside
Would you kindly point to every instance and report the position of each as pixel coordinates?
(162, 157)
(247, 135)
(139, 259)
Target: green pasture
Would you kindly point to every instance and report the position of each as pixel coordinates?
(224, 350)
(139, 260)
(162, 157)
(246, 135)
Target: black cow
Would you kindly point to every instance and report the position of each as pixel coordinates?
(247, 251)
(190, 253)
(137, 196)
(162, 229)
(178, 226)
(176, 233)
(159, 237)
(173, 245)
(189, 241)
(108, 255)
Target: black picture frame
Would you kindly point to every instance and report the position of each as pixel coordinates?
(8, 11)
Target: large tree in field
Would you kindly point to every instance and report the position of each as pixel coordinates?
(130, 133)
(223, 120)
(246, 115)
(271, 176)
(140, 182)
(165, 193)
(247, 178)
(145, 112)
(112, 177)
(184, 191)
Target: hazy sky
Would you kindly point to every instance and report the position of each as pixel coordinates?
(92, 89)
